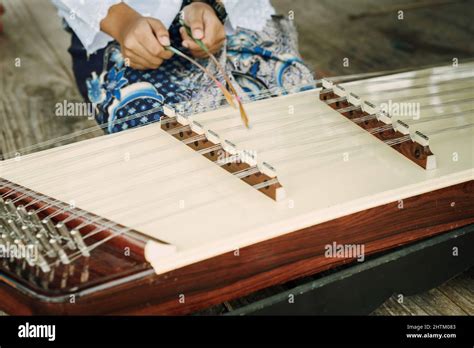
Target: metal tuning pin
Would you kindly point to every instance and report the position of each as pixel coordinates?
(52, 275)
(35, 220)
(22, 252)
(3, 237)
(80, 243)
(85, 273)
(43, 264)
(21, 211)
(60, 251)
(14, 228)
(49, 226)
(64, 278)
(3, 208)
(6, 235)
(18, 243)
(44, 242)
(64, 232)
(11, 207)
(28, 235)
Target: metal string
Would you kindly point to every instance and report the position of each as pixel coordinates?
(444, 130)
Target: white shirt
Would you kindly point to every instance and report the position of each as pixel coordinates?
(84, 16)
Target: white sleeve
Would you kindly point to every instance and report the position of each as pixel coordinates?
(248, 14)
(84, 17)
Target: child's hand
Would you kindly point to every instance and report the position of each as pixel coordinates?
(142, 42)
(206, 26)
(142, 39)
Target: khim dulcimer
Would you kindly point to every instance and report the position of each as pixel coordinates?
(196, 209)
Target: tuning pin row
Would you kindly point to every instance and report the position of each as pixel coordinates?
(35, 242)
(27, 252)
(28, 231)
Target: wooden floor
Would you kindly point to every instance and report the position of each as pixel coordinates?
(455, 297)
(35, 75)
(370, 35)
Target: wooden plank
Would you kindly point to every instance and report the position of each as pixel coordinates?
(434, 302)
(393, 307)
(460, 291)
(454, 297)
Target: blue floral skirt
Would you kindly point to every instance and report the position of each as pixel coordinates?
(262, 64)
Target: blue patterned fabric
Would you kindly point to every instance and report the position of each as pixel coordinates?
(127, 98)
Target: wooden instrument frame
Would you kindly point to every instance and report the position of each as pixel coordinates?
(135, 275)
(140, 291)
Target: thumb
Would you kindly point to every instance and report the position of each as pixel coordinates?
(194, 19)
(160, 31)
